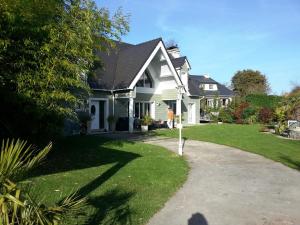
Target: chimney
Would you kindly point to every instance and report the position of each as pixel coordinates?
(174, 51)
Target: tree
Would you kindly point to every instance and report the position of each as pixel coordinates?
(47, 50)
(246, 82)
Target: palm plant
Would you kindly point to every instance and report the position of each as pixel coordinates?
(16, 205)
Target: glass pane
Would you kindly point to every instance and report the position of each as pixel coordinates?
(136, 110)
(148, 81)
(142, 110)
(147, 108)
(140, 82)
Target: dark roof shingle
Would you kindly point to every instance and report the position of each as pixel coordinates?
(121, 65)
(195, 90)
(178, 62)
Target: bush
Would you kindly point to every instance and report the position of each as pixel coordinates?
(251, 119)
(17, 206)
(225, 115)
(22, 117)
(263, 100)
(238, 112)
(265, 115)
(248, 112)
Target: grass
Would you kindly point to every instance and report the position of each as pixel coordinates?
(245, 137)
(124, 182)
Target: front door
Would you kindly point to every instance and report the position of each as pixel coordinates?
(97, 110)
(191, 113)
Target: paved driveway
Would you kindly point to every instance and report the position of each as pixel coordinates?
(227, 186)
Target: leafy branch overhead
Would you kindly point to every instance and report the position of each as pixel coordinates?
(47, 48)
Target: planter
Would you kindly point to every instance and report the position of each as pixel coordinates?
(112, 127)
(88, 125)
(144, 128)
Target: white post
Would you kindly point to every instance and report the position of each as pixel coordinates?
(131, 120)
(113, 104)
(179, 125)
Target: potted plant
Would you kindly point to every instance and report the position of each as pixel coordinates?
(112, 122)
(145, 122)
(85, 121)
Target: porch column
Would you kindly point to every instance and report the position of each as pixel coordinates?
(131, 120)
(178, 106)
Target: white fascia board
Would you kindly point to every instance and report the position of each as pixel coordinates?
(144, 67)
(177, 78)
(188, 63)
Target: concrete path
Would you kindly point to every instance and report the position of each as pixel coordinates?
(227, 186)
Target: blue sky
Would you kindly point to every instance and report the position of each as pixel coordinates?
(220, 37)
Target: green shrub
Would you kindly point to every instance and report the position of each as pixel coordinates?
(16, 204)
(225, 115)
(248, 112)
(251, 119)
(263, 100)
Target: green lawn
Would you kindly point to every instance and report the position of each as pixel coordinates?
(245, 137)
(125, 182)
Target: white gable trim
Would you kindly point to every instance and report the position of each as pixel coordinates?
(144, 67)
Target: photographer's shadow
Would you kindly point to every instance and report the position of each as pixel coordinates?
(197, 219)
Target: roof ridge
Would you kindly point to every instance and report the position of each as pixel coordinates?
(156, 39)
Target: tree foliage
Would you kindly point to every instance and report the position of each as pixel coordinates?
(246, 82)
(263, 100)
(47, 50)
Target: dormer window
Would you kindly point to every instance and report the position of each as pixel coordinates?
(211, 86)
(145, 80)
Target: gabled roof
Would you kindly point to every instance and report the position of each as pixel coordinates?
(203, 79)
(121, 65)
(178, 62)
(194, 89)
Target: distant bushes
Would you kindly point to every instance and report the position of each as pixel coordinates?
(265, 115)
(263, 101)
(252, 109)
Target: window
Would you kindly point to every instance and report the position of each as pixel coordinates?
(224, 102)
(211, 86)
(141, 109)
(201, 86)
(145, 80)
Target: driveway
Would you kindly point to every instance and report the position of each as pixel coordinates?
(227, 186)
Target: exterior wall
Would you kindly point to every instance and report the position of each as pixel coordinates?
(159, 101)
(185, 101)
(160, 105)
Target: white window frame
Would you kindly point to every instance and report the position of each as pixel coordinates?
(143, 107)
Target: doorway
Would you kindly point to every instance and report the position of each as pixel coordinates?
(191, 113)
(97, 111)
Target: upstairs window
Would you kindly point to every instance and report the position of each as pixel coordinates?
(201, 86)
(211, 86)
(145, 80)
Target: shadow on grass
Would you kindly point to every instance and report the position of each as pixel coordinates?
(293, 163)
(81, 152)
(77, 153)
(111, 208)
